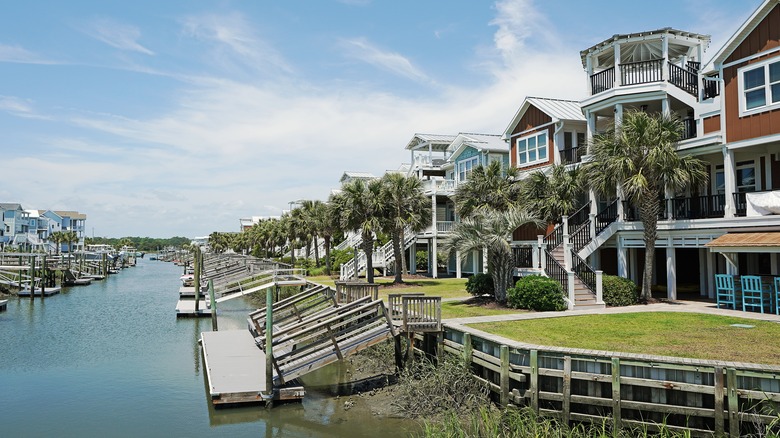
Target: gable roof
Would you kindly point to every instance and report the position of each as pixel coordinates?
(436, 141)
(481, 142)
(557, 109)
(10, 206)
(348, 175)
(70, 214)
(739, 36)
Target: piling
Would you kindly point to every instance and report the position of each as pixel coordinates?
(213, 306)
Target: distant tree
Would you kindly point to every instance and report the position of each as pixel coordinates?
(359, 208)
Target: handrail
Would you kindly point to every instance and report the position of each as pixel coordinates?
(711, 87)
(699, 207)
(580, 237)
(555, 271)
(555, 238)
(602, 81)
(583, 271)
(685, 79)
(579, 217)
(606, 217)
(641, 72)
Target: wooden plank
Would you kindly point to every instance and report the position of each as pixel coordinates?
(234, 366)
(733, 408)
(718, 402)
(504, 375)
(616, 409)
(566, 390)
(534, 384)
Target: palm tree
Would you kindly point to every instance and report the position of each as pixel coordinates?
(640, 159)
(491, 230)
(492, 187)
(359, 208)
(552, 194)
(407, 206)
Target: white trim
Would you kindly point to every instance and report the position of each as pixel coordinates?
(753, 141)
(477, 162)
(535, 128)
(536, 148)
(752, 57)
(767, 86)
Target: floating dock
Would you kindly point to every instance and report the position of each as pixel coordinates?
(235, 367)
(54, 290)
(187, 292)
(3, 305)
(186, 308)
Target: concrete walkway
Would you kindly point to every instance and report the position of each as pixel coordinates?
(704, 307)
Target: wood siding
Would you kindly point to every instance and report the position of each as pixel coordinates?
(533, 117)
(764, 37)
(528, 232)
(712, 124)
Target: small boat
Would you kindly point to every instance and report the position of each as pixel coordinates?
(187, 280)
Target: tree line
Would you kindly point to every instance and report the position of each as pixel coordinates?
(144, 244)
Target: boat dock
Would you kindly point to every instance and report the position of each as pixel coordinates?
(235, 367)
(186, 308)
(3, 305)
(49, 291)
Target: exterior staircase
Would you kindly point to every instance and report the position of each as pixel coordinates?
(567, 247)
(382, 257)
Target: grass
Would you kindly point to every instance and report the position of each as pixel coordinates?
(465, 309)
(660, 333)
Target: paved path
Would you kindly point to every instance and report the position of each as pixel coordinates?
(673, 306)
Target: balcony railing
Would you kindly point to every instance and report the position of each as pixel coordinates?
(740, 203)
(523, 257)
(689, 129)
(641, 72)
(631, 212)
(711, 88)
(579, 217)
(699, 207)
(606, 216)
(685, 79)
(444, 226)
(603, 80)
(572, 155)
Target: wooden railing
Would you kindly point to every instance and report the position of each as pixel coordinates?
(418, 314)
(689, 129)
(445, 226)
(685, 79)
(572, 155)
(555, 271)
(699, 207)
(349, 291)
(740, 203)
(523, 257)
(641, 72)
(294, 308)
(711, 88)
(602, 81)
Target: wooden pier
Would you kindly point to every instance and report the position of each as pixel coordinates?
(49, 291)
(186, 308)
(235, 367)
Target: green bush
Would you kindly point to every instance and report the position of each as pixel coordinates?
(479, 284)
(340, 256)
(422, 260)
(535, 292)
(619, 291)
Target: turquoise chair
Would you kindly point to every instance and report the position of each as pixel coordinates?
(777, 295)
(724, 289)
(752, 294)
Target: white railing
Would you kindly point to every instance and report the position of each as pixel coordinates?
(444, 226)
(381, 257)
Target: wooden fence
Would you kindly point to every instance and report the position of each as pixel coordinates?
(349, 291)
(628, 390)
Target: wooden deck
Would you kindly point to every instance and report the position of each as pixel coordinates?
(186, 308)
(187, 292)
(49, 291)
(235, 367)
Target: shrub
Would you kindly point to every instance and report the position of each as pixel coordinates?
(479, 284)
(340, 256)
(619, 291)
(422, 260)
(535, 292)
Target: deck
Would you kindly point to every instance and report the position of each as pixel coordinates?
(235, 367)
(187, 292)
(186, 308)
(49, 291)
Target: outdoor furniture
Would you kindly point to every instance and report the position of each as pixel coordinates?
(752, 292)
(725, 292)
(777, 295)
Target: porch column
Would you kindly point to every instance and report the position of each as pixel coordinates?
(617, 66)
(729, 177)
(665, 109)
(618, 116)
(588, 73)
(413, 259)
(710, 274)
(475, 261)
(591, 118)
(458, 273)
(773, 263)
(703, 273)
(540, 251)
(620, 211)
(665, 56)
(432, 257)
(434, 260)
(632, 265)
(671, 275)
(622, 259)
(594, 202)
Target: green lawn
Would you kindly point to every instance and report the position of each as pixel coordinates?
(459, 309)
(439, 287)
(667, 334)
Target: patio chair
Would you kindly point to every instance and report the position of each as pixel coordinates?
(777, 295)
(724, 290)
(752, 293)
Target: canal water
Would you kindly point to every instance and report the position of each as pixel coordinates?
(112, 360)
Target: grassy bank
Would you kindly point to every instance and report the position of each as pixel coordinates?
(690, 335)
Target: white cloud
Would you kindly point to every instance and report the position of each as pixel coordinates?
(20, 55)
(19, 107)
(363, 50)
(117, 35)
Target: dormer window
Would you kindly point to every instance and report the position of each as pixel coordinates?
(759, 87)
(532, 149)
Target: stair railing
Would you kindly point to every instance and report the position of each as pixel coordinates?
(555, 238)
(579, 217)
(583, 271)
(606, 217)
(555, 271)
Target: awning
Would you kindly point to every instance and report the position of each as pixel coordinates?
(746, 242)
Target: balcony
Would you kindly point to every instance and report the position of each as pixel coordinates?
(646, 72)
(444, 226)
(699, 207)
(572, 155)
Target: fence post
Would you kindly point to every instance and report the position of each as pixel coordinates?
(213, 306)
(599, 287)
(718, 404)
(731, 385)
(592, 219)
(533, 386)
(504, 378)
(566, 390)
(467, 348)
(570, 286)
(616, 414)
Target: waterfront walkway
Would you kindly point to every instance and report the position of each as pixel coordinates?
(684, 306)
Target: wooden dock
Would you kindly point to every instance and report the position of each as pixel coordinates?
(187, 293)
(3, 305)
(49, 291)
(186, 308)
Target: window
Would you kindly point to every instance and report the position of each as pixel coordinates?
(745, 178)
(532, 149)
(759, 87)
(465, 167)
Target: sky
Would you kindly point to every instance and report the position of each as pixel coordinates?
(178, 117)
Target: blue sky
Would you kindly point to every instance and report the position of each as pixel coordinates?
(177, 117)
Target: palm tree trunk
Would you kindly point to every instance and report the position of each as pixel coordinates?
(368, 249)
(404, 269)
(316, 251)
(397, 252)
(648, 211)
(327, 254)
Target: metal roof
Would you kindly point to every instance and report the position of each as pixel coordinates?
(491, 142)
(70, 214)
(10, 206)
(649, 35)
(437, 141)
(557, 109)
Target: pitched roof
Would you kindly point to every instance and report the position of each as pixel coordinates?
(641, 36)
(483, 142)
(746, 240)
(744, 30)
(557, 109)
(70, 214)
(356, 175)
(10, 206)
(436, 141)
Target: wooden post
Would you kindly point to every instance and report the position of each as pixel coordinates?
(43, 276)
(213, 306)
(399, 357)
(566, 390)
(104, 265)
(32, 277)
(504, 378)
(269, 342)
(616, 414)
(439, 345)
(718, 405)
(196, 273)
(467, 349)
(533, 385)
(731, 385)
